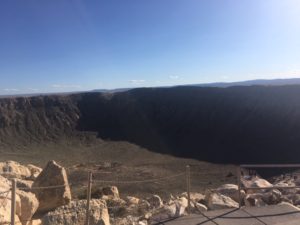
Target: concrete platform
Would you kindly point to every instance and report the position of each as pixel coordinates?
(283, 214)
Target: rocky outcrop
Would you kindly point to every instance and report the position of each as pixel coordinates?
(75, 213)
(51, 198)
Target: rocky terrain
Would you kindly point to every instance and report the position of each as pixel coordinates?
(138, 143)
(44, 197)
(223, 125)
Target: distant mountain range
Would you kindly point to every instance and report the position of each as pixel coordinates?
(259, 82)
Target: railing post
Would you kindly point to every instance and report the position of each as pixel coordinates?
(13, 202)
(239, 183)
(188, 187)
(89, 190)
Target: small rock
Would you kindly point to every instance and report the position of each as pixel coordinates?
(143, 222)
(261, 183)
(219, 201)
(232, 191)
(132, 200)
(111, 191)
(195, 197)
(272, 197)
(34, 170)
(200, 207)
(155, 201)
(254, 200)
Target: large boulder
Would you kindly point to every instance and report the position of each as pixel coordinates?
(75, 213)
(232, 191)
(29, 205)
(52, 187)
(216, 200)
(12, 169)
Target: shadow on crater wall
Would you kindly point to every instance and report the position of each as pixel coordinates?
(225, 125)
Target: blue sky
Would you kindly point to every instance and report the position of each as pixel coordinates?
(75, 45)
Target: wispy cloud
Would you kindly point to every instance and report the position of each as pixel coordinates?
(174, 77)
(32, 89)
(65, 86)
(11, 89)
(137, 81)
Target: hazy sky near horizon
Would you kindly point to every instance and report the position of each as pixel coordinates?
(75, 45)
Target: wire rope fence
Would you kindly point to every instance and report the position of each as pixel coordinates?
(94, 181)
(188, 181)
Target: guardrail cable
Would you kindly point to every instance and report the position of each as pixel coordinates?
(138, 181)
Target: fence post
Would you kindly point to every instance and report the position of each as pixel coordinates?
(188, 187)
(13, 202)
(89, 190)
(239, 183)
